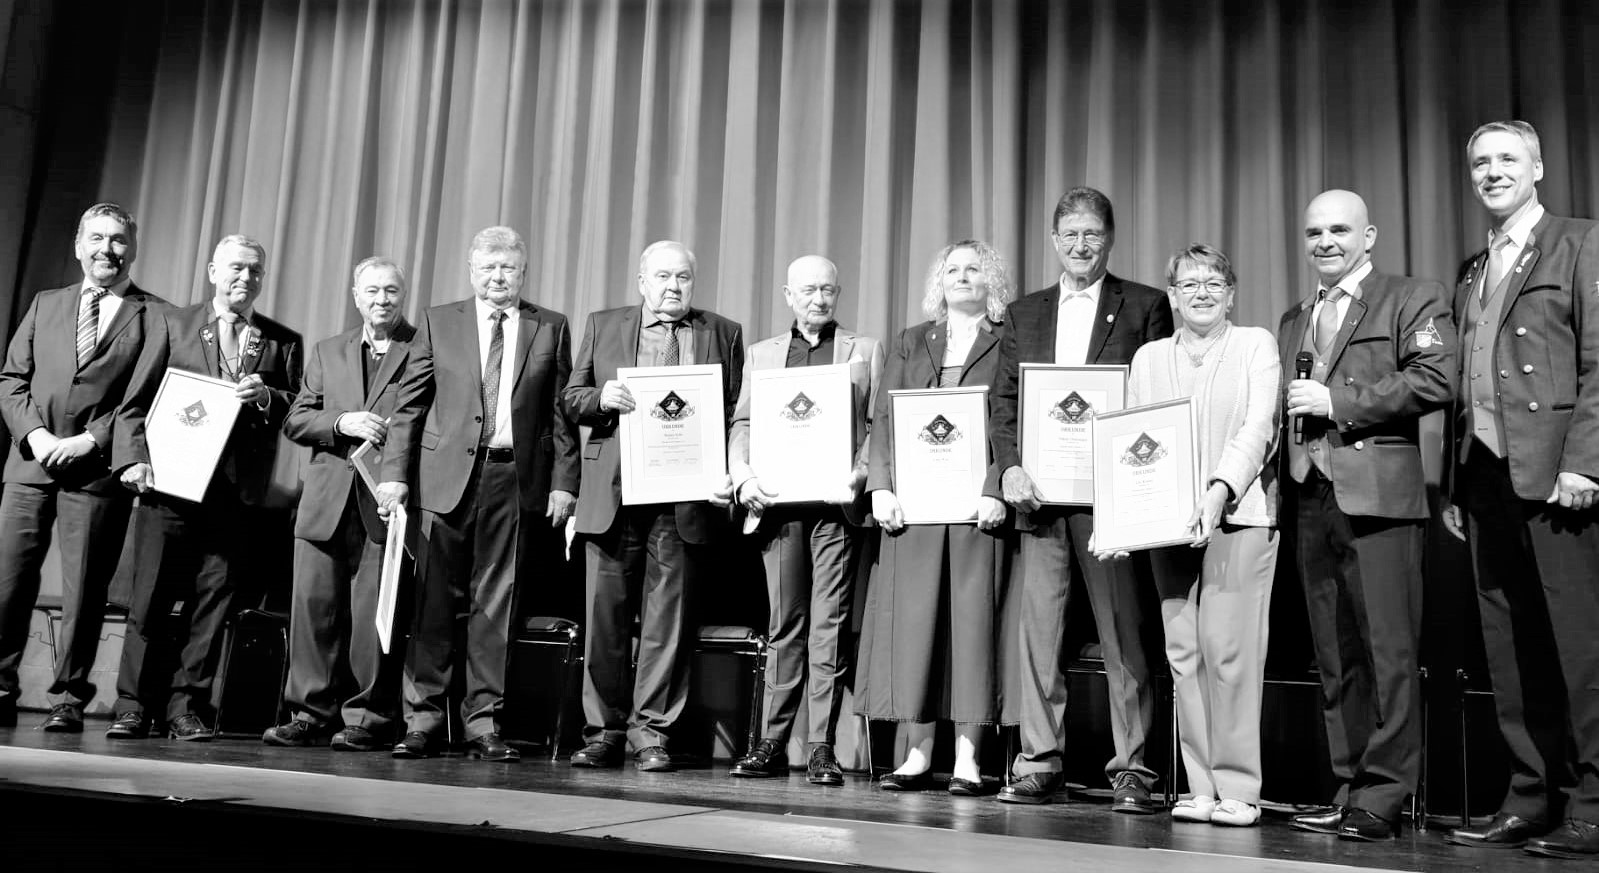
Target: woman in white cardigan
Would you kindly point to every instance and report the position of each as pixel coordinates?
(1216, 593)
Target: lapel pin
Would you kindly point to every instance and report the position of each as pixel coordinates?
(1111, 318)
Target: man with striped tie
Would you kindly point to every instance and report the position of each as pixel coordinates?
(64, 376)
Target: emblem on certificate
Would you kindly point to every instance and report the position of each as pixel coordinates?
(192, 415)
(674, 445)
(671, 408)
(1146, 476)
(940, 432)
(802, 431)
(801, 408)
(940, 453)
(1058, 407)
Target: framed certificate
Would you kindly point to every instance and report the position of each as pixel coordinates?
(1146, 476)
(389, 578)
(802, 439)
(367, 459)
(674, 442)
(186, 429)
(940, 453)
(1058, 405)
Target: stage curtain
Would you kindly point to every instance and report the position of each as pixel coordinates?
(871, 132)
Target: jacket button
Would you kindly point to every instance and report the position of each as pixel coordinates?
(1504, 374)
(471, 451)
(1521, 331)
(478, 419)
(1349, 380)
(349, 466)
(1526, 368)
(1359, 444)
(1349, 424)
(1533, 406)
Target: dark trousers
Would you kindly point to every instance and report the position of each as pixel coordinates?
(92, 527)
(640, 568)
(809, 554)
(189, 552)
(1537, 571)
(1362, 580)
(1047, 550)
(333, 632)
(467, 562)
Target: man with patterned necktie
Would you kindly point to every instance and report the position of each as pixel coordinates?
(65, 374)
(480, 441)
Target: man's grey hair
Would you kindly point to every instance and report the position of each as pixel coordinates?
(498, 239)
(239, 239)
(652, 248)
(115, 211)
(1527, 132)
(377, 262)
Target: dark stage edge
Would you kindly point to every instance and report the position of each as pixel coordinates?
(75, 801)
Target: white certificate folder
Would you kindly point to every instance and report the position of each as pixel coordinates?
(674, 442)
(802, 438)
(186, 430)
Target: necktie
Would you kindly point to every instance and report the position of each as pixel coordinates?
(491, 375)
(89, 323)
(1496, 267)
(670, 353)
(1327, 320)
(229, 327)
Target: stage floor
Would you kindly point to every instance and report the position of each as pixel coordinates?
(698, 816)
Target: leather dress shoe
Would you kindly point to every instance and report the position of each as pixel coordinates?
(189, 728)
(357, 739)
(1366, 827)
(1504, 832)
(129, 726)
(654, 759)
(1131, 796)
(296, 733)
(766, 760)
(64, 718)
(1032, 788)
(415, 744)
(598, 754)
(1574, 840)
(966, 787)
(1323, 821)
(902, 782)
(823, 767)
(490, 747)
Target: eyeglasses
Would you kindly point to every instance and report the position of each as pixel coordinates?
(1070, 239)
(1214, 286)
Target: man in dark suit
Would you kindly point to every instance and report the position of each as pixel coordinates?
(65, 374)
(1088, 317)
(350, 388)
(480, 438)
(643, 560)
(198, 552)
(1381, 351)
(809, 551)
(1524, 490)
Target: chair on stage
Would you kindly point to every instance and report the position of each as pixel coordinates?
(743, 642)
(255, 652)
(566, 637)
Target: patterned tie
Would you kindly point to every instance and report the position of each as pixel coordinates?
(89, 323)
(670, 353)
(1327, 320)
(491, 375)
(1496, 267)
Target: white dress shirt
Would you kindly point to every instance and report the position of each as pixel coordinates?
(501, 438)
(109, 303)
(1074, 323)
(1516, 243)
(962, 330)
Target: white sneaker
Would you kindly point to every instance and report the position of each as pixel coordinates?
(1235, 813)
(1198, 808)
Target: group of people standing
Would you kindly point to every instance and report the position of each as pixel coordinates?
(1311, 435)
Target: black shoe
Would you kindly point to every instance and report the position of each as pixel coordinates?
(414, 745)
(1504, 832)
(64, 718)
(1130, 795)
(1032, 788)
(900, 782)
(766, 760)
(296, 733)
(490, 747)
(965, 787)
(1367, 827)
(823, 767)
(357, 739)
(598, 754)
(128, 726)
(189, 728)
(1323, 821)
(653, 759)
(1574, 840)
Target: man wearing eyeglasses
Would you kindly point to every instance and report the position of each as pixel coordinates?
(1088, 317)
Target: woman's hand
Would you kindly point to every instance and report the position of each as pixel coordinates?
(885, 506)
(990, 513)
(1207, 515)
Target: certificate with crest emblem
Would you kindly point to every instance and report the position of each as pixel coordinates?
(940, 453)
(802, 439)
(186, 429)
(1058, 407)
(1146, 476)
(674, 442)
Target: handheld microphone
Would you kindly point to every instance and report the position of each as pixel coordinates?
(1302, 364)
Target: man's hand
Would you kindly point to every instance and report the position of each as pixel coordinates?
(1019, 490)
(722, 497)
(1574, 491)
(615, 397)
(1207, 515)
(66, 451)
(1454, 521)
(41, 442)
(252, 390)
(560, 507)
(990, 513)
(885, 506)
(138, 477)
(1309, 397)
(753, 497)
(364, 426)
(390, 495)
(1105, 555)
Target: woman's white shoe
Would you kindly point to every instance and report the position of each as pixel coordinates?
(1198, 808)
(1235, 813)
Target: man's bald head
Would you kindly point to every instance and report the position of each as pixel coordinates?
(812, 292)
(1339, 234)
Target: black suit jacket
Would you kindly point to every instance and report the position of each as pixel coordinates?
(335, 385)
(609, 342)
(186, 339)
(42, 385)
